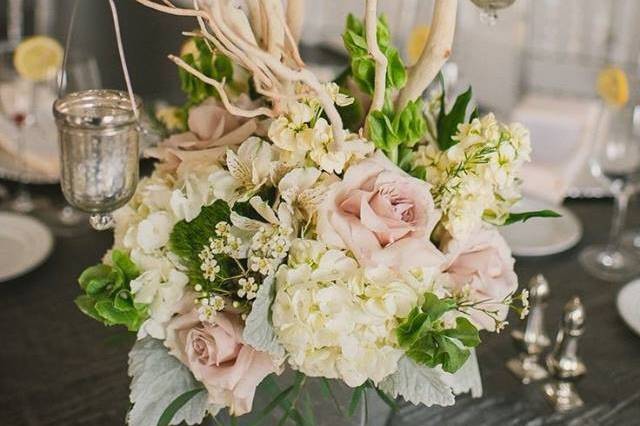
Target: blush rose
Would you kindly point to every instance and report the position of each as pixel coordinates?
(382, 215)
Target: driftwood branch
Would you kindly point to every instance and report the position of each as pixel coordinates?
(295, 18)
(435, 54)
(223, 94)
(371, 32)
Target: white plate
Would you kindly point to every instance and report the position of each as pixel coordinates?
(24, 244)
(629, 305)
(542, 236)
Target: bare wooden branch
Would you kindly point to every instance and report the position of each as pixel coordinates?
(371, 26)
(233, 109)
(435, 54)
(295, 18)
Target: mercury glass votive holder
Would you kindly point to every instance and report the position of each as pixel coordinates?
(98, 136)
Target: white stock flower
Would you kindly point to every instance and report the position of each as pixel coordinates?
(476, 180)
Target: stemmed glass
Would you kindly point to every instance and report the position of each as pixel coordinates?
(489, 14)
(615, 160)
(17, 99)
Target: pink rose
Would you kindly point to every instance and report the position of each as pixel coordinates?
(383, 215)
(211, 128)
(216, 355)
(484, 263)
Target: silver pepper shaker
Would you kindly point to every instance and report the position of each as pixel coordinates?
(563, 362)
(532, 340)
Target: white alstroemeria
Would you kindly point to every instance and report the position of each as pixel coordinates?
(248, 170)
(304, 190)
(153, 232)
(294, 183)
(162, 294)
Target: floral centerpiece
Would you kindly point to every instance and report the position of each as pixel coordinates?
(344, 230)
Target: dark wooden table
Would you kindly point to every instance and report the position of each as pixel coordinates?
(58, 367)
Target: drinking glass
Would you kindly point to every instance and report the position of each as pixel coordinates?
(615, 161)
(17, 98)
(98, 136)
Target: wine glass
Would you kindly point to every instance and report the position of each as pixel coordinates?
(489, 14)
(17, 99)
(615, 160)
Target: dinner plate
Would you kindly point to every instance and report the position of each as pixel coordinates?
(24, 244)
(542, 236)
(629, 305)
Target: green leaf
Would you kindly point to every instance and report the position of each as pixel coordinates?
(450, 354)
(97, 272)
(86, 304)
(113, 316)
(177, 404)
(396, 71)
(448, 122)
(126, 265)
(410, 124)
(410, 329)
(465, 332)
(363, 64)
(435, 307)
(524, 216)
(123, 301)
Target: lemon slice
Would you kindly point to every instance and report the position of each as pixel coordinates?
(38, 58)
(613, 86)
(417, 41)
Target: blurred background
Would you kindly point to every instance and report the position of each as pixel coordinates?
(542, 46)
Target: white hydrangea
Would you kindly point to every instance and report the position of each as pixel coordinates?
(477, 179)
(162, 292)
(337, 320)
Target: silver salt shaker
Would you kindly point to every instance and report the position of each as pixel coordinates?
(98, 136)
(532, 340)
(563, 362)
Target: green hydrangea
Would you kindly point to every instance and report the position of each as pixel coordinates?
(108, 297)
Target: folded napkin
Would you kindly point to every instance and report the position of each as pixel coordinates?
(562, 132)
(40, 151)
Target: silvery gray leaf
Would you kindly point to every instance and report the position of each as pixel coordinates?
(418, 384)
(258, 330)
(157, 380)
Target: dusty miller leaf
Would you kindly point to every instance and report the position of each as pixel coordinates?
(157, 380)
(467, 378)
(258, 329)
(418, 384)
